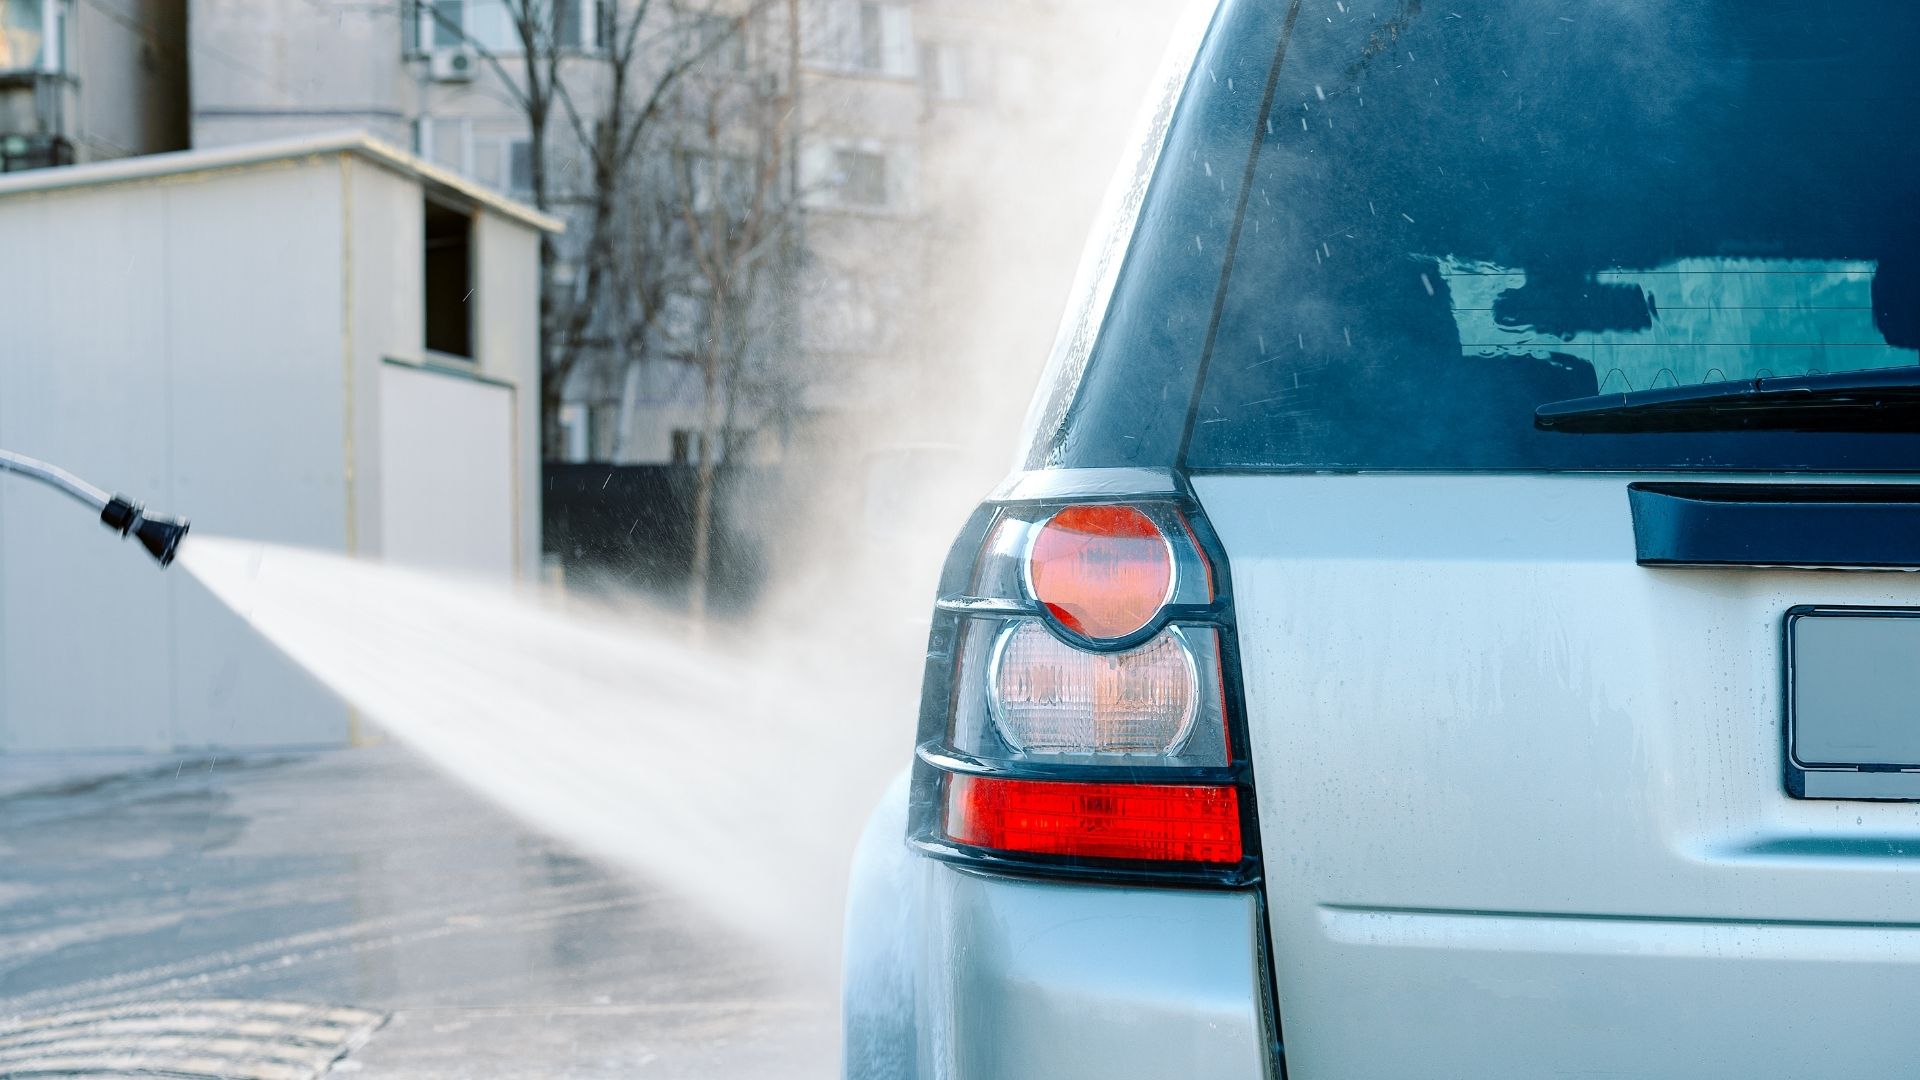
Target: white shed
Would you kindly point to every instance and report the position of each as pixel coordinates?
(324, 342)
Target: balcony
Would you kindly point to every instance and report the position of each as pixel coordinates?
(34, 110)
(22, 152)
(37, 92)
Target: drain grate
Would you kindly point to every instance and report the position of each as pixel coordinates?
(227, 1040)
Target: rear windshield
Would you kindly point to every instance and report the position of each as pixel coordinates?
(1459, 211)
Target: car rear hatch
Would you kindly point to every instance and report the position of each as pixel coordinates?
(1526, 799)
(1545, 370)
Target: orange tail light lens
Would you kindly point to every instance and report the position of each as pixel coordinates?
(1102, 571)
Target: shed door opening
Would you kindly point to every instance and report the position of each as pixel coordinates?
(449, 285)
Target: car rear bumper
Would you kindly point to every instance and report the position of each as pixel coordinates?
(952, 973)
(1393, 994)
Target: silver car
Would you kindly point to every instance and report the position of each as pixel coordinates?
(1450, 619)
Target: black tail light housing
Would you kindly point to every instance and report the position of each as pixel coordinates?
(1074, 721)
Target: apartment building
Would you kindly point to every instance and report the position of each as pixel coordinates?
(950, 154)
(90, 80)
(442, 75)
(901, 114)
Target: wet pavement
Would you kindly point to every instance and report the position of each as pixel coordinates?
(364, 880)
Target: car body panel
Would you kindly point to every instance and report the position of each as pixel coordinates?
(1522, 799)
(953, 973)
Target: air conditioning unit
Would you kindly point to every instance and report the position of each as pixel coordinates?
(453, 65)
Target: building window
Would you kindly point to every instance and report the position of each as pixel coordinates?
(603, 422)
(843, 316)
(449, 279)
(575, 439)
(858, 174)
(492, 26)
(723, 40)
(578, 24)
(688, 446)
(520, 168)
(490, 151)
(871, 51)
(739, 446)
(861, 177)
(871, 37)
(499, 158)
(33, 35)
(943, 68)
(716, 180)
(447, 141)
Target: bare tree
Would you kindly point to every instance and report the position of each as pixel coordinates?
(606, 100)
(680, 183)
(736, 192)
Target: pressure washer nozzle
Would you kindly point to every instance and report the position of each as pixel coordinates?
(158, 533)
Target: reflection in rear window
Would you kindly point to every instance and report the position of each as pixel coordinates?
(1692, 320)
(1462, 211)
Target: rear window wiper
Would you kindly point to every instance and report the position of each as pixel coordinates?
(1882, 399)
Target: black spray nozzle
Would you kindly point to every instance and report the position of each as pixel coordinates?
(158, 533)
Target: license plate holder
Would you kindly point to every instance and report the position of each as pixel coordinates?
(1853, 703)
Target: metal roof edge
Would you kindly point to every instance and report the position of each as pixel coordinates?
(188, 162)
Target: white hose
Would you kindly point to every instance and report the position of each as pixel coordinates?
(56, 476)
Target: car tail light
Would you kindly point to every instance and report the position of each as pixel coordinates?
(1078, 716)
(1162, 822)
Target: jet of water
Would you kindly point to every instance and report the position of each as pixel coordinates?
(737, 771)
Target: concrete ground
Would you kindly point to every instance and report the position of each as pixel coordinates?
(365, 880)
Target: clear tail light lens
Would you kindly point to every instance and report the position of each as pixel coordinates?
(1048, 697)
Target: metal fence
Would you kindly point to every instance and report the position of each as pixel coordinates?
(630, 527)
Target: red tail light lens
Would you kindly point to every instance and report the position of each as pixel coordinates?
(1102, 571)
(1159, 822)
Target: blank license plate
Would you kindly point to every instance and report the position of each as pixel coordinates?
(1853, 703)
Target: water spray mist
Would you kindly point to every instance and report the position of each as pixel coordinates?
(158, 533)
